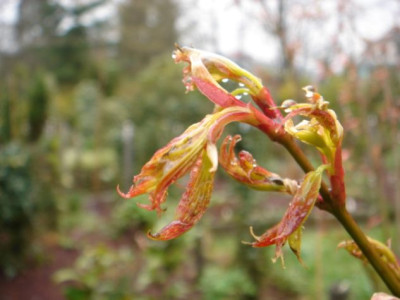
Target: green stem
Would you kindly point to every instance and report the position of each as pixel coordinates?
(347, 221)
(299, 156)
(369, 252)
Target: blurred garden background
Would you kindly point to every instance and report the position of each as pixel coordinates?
(89, 91)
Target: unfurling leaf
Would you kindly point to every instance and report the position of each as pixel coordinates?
(312, 133)
(168, 165)
(245, 169)
(323, 130)
(193, 203)
(195, 151)
(206, 70)
(179, 156)
(385, 253)
(291, 224)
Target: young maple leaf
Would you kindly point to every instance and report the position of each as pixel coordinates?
(289, 228)
(245, 169)
(194, 201)
(323, 131)
(193, 151)
(205, 70)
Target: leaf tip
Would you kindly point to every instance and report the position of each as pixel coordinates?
(124, 195)
(256, 237)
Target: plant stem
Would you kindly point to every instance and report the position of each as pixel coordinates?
(369, 252)
(347, 221)
(299, 156)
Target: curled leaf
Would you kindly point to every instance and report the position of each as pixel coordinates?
(291, 224)
(167, 165)
(316, 109)
(178, 157)
(312, 133)
(323, 131)
(193, 203)
(206, 70)
(245, 169)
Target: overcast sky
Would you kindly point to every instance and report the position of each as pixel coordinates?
(227, 28)
(238, 31)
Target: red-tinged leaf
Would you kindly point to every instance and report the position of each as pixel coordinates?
(245, 169)
(317, 108)
(179, 156)
(167, 165)
(337, 178)
(228, 115)
(295, 216)
(207, 68)
(324, 132)
(217, 66)
(193, 203)
(216, 93)
(327, 118)
(264, 100)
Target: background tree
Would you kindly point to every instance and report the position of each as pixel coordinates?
(147, 29)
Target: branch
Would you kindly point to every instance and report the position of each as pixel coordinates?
(342, 215)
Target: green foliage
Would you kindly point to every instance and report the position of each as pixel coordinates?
(153, 99)
(27, 203)
(70, 56)
(324, 268)
(100, 272)
(90, 158)
(108, 76)
(147, 30)
(5, 118)
(127, 216)
(38, 96)
(88, 101)
(16, 208)
(232, 283)
(43, 45)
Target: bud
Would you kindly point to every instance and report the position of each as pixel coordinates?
(385, 253)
